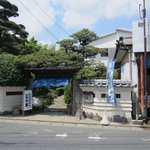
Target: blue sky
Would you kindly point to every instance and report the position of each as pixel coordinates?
(52, 20)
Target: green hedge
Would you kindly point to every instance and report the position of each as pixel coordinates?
(10, 73)
(67, 94)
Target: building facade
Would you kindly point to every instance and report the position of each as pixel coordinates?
(94, 98)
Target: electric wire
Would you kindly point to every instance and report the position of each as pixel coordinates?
(98, 28)
(137, 2)
(43, 10)
(39, 21)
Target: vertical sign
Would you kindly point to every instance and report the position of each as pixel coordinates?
(27, 100)
(138, 36)
(110, 85)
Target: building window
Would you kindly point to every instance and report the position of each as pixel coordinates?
(103, 95)
(118, 95)
(14, 93)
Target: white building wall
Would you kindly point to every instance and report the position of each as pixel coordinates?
(1, 100)
(135, 75)
(124, 104)
(9, 101)
(98, 58)
(109, 42)
(121, 33)
(105, 42)
(130, 72)
(125, 72)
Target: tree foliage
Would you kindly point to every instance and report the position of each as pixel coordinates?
(67, 94)
(30, 46)
(84, 37)
(30, 54)
(50, 59)
(80, 43)
(92, 70)
(10, 74)
(11, 33)
(68, 45)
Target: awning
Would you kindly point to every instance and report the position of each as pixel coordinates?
(122, 48)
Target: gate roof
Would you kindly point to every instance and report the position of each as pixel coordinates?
(53, 71)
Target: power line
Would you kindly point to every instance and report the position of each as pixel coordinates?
(39, 21)
(50, 17)
(137, 2)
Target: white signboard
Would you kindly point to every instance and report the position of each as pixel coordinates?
(27, 100)
(138, 36)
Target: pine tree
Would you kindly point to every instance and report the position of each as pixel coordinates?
(11, 33)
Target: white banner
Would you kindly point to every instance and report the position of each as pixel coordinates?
(111, 98)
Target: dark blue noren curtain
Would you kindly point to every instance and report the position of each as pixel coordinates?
(50, 81)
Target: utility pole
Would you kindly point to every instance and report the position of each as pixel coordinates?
(145, 58)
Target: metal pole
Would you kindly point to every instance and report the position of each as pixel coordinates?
(145, 58)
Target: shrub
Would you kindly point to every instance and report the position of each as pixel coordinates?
(47, 93)
(59, 91)
(67, 94)
(10, 73)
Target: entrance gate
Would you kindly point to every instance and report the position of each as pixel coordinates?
(52, 77)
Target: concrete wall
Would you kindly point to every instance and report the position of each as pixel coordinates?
(10, 97)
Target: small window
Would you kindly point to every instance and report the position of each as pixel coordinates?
(14, 93)
(118, 95)
(103, 95)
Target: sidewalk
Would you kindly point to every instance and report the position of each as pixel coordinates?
(62, 118)
(52, 117)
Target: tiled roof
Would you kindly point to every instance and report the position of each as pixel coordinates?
(101, 83)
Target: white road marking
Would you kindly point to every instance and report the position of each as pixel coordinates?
(31, 133)
(48, 130)
(62, 135)
(96, 138)
(146, 139)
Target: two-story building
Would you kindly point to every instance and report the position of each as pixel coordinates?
(95, 91)
(127, 48)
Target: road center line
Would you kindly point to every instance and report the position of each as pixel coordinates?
(96, 138)
(146, 139)
(62, 135)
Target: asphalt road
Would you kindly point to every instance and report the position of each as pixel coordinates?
(44, 136)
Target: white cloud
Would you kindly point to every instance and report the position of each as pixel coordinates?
(29, 21)
(124, 8)
(74, 14)
(85, 13)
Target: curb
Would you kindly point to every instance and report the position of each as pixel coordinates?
(79, 123)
